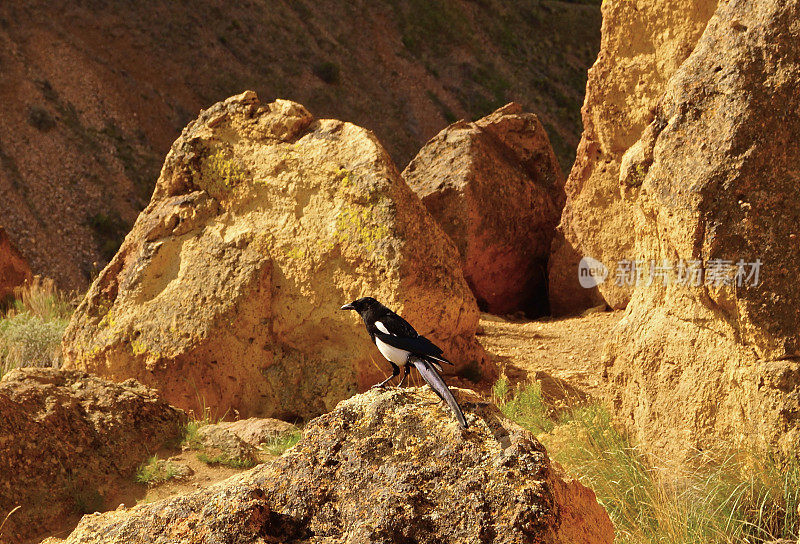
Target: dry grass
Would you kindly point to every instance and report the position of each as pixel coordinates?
(6, 518)
(724, 498)
(32, 328)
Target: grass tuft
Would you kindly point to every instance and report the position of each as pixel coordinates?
(524, 405)
(225, 460)
(191, 438)
(278, 445)
(726, 497)
(32, 328)
(155, 471)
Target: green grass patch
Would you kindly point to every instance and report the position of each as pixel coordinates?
(726, 497)
(155, 471)
(191, 437)
(225, 460)
(524, 405)
(278, 445)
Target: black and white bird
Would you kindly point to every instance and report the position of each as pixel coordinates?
(401, 345)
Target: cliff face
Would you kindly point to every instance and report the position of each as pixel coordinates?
(93, 94)
(710, 350)
(643, 44)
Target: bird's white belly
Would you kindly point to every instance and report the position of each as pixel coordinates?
(396, 355)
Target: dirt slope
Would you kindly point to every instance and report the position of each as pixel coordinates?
(93, 93)
(565, 355)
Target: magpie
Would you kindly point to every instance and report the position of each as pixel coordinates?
(401, 345)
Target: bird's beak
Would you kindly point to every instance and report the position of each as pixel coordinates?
(347, 307)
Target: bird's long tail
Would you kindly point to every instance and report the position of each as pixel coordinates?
(429, 374)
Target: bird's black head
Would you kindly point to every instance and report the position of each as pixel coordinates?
(362, 305)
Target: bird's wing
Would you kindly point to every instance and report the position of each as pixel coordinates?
(391, 323)
(436, 383)
(397, 332)
(418, 345)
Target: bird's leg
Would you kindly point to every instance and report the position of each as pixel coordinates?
(395, 373)
(406, 370)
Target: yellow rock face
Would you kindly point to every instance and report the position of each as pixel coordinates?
(714, 181)
(264, 221)
(643, 44)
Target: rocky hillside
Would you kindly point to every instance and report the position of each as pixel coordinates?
(94, 93)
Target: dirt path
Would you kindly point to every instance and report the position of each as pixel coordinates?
(133, 493)
(563, 353)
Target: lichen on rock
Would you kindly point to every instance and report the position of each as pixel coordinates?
(383, 467)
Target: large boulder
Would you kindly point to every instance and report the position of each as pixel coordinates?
(643, 43)
(716, 186)
(69, 442)
(264, 221)
(14, 269)
(383, 467)
(496, 188)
